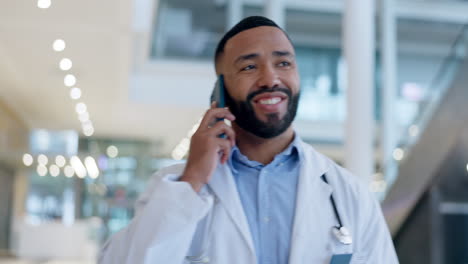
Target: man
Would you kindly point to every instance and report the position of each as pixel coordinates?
(258, 194)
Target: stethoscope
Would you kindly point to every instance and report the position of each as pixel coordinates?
(340, 232)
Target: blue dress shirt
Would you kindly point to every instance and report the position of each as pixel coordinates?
(268, 196)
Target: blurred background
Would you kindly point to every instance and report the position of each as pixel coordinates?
(96, 96)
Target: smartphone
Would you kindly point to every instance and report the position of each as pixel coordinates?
(218, 92)
(218, 96)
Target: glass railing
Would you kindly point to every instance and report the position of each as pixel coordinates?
(438, 86)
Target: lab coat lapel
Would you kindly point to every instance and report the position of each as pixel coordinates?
(312, 193)
(224, 187)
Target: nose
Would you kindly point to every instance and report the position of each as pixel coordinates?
(268, 78)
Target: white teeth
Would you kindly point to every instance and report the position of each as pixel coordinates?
(270, 101)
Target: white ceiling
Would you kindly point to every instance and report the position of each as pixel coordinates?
(98, 35)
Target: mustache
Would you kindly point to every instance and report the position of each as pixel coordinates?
(269, 90)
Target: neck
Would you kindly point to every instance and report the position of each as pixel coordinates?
(261, 149)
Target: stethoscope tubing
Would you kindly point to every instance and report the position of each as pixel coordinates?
(332, 200)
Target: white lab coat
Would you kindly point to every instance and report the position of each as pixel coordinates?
(171, 220)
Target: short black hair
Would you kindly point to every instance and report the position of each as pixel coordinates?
(245, 24)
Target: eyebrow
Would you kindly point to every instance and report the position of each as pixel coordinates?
(255, 55)
(282, 54)
(246, 57)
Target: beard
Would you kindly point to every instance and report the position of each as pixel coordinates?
(247, 119)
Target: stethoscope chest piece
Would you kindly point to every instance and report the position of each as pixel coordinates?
(343, 235)
(198, 259)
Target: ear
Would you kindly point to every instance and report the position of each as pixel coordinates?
(219, 64)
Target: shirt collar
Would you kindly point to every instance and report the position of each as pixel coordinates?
(237, 157)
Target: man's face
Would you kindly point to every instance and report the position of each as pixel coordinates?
(261, 79)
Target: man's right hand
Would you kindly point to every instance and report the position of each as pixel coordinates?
(207, 148)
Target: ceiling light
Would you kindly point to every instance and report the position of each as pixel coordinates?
(54, 170)
(68, 171)
(84, 117)
(65, 64)
(92, 168)
(69, 80)
(43, 4)
(467, 167)
(87, 125)
(413, 130)
(41, 170)
(28, 159)
(78, 166)
(112, 151)
(60, 161)
(42, 159)
(88, 128)
(194, 128)
(398, 154)
(80, 108)
(177, 154)
(75, 93)
(59, 45)
(185, 144)
(88, 131)
(181, 149)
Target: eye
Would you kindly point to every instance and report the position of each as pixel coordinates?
(284, 64)
(248, 67)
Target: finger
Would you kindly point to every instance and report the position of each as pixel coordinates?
(222, 128)
(224, 149)
(213, 104)
(231, 135)
(221, 113)
(214, 113)
(223, 158)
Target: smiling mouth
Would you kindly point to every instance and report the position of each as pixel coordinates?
(269, 98)
(269, 104)
(269, 101)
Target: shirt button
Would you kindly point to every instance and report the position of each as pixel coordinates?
(266, 219)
